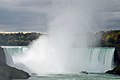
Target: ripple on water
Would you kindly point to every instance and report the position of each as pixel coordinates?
(74, 77)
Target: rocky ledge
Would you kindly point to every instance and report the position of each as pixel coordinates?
(9, 73)
(116, 70)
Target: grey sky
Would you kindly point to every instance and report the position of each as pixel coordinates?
(32, 15)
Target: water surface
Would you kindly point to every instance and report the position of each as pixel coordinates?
(74, 77)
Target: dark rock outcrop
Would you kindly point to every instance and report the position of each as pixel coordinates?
(7, 72)
(117, 56)
(116, 70)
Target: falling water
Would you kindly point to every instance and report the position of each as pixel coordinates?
(98, 60)
(12, 52)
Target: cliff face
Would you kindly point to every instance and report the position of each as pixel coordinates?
(117, 56)
(7, 72)
(2, 57)
(116, 70)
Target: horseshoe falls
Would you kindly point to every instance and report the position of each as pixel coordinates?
(96, 60)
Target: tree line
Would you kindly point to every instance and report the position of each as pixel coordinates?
(110, 38)
(18, 39)
(106, 38)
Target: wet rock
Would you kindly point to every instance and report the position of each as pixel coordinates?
(116, 70)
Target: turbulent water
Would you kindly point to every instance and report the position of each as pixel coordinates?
(98, 60)
(75, 77)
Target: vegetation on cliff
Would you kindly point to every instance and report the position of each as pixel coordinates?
(110, 38)
(18, 38)
(106, 38)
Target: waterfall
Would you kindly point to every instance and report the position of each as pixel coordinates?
(12, 52)
(101, 59)
(98, 60)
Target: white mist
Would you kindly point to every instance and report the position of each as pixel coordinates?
(69, 24)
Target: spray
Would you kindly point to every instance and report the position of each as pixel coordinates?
(69, 24)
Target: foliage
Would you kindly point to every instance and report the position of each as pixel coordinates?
(110, 38)
(18, 39)
(106, 38)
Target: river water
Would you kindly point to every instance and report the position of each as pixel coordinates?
(80, 76)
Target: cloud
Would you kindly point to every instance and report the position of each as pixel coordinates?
(32, 15)
(23, 15)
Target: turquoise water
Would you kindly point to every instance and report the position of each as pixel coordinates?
(74, 77)
(98, 60)
(97, 55)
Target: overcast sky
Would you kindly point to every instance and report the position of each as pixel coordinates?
(32, 15)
